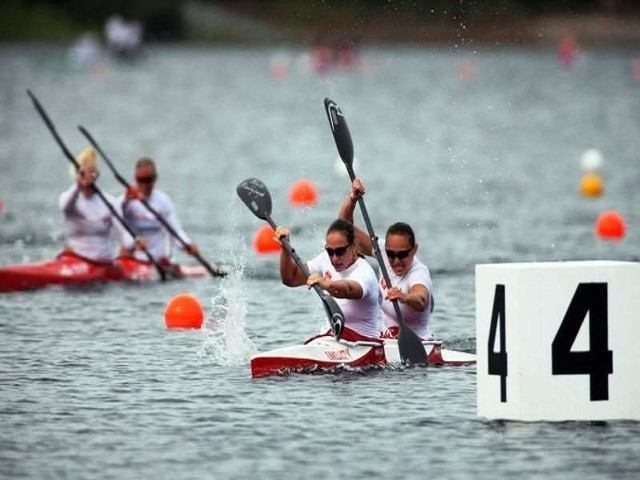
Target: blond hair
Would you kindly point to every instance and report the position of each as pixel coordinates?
(88, 158)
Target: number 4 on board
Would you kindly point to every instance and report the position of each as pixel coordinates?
(597, 362)
(498, 360)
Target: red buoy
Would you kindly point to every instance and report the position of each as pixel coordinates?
(183, 311)
(303, 193)
(610, 225)
(264, 242)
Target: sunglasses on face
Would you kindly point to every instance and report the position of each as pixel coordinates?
(145, 179)
(400, 254)
(336, 251)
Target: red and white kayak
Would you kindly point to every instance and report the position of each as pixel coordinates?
(327, 354)
(70, 269)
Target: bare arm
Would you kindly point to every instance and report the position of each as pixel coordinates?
(346, 213)
(290, 274)
(417, 299)
(337, 288)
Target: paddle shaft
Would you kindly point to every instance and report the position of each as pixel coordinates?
(154, 212)
(409, 344)
(256, 197)
(376, 249)
(101, 195)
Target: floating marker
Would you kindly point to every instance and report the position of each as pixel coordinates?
(591, 185)
(303, 193)
(635, 68)
(567, 50)
(264, 242)
(279, 66)
(610, 225)
(184, 311)
(591, 160)
(466, 69)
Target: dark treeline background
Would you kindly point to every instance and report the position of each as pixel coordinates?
(58, 20)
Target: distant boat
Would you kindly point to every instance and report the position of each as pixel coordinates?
(123, 39)
(71, 269)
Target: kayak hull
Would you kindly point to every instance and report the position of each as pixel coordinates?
(70, 269)
(326, 354)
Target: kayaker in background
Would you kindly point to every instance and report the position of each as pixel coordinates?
(345, 275)
(411, 279)
(144, 223)
(88, 221)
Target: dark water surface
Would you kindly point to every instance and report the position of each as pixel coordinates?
(485, 168)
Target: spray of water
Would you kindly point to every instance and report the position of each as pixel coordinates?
(225, 341)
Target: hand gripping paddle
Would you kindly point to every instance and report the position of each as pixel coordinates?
(255, 195)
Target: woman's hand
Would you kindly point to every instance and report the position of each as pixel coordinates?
(316, 279)
(281, 233)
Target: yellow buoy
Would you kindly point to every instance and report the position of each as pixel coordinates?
(591, 185)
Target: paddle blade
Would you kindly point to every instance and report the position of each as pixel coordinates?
(340, 131)
(255, 195)
(334, 314)
(411, 349)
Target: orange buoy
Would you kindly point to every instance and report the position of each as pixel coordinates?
(264, 242)
(183, 311)
(303, 193)
(591, 185)
(466, 69)
(610, 225)
(635, 68)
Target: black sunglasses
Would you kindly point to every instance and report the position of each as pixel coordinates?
(337, 251)
(400, 255)
(145, 179)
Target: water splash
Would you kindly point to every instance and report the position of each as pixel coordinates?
(225, 340)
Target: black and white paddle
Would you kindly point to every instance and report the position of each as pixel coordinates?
(255, 195)
(70, 157)
(154, 212)
(409, 344)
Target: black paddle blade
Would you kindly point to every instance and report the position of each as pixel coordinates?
(412, 351)
(255, 195)
(340, 131)
(334, 314)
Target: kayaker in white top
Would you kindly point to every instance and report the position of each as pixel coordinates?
(344, 275)
(146, 224)
(88, 221)
(411, 280)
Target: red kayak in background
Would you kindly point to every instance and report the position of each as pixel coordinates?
(71, 269)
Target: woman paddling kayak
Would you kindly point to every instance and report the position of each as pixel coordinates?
(89, 223)
(411, 280)
(344, 275)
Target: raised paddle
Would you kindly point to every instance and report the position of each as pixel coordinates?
(409, 344)
(255, 195)
(154, 212)
(70, 157)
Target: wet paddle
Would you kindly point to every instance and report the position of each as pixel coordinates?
(255, 195)
(154, 212)
(71, 158)
(409, 344)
